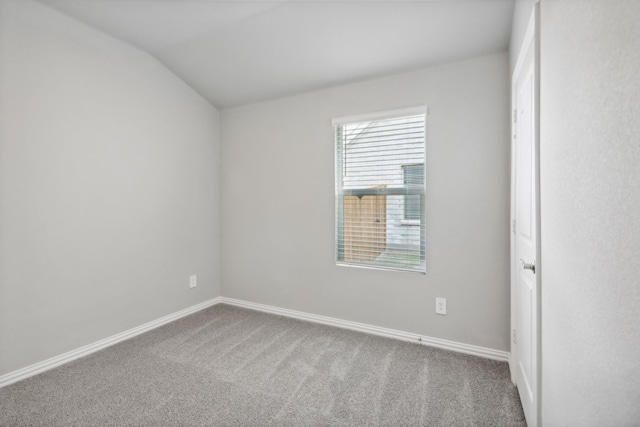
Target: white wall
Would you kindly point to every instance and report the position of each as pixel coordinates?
(108, 187)
(278, 205)
(590, 189)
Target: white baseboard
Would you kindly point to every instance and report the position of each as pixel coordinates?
(53, 362)
(487, 353)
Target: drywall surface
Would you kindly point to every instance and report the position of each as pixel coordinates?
(278, 205)
(521, 15)
(590, 189)
(108, 187)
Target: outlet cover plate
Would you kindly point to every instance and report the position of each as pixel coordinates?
(441, 306)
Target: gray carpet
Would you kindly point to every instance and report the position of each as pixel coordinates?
(226, 366)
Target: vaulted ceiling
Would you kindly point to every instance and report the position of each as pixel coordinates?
(239, 52)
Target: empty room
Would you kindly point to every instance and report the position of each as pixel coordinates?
(317, 212)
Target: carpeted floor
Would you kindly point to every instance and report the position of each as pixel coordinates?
(226, 366)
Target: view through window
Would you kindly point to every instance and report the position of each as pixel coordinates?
(380, 192)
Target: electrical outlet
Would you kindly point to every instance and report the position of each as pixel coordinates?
(193, 281)
(441, 306)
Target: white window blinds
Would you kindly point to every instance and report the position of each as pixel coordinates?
(380, 190)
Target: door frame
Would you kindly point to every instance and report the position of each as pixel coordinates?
(532, 38)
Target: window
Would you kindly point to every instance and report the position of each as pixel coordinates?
(380, 190)
(413, 174)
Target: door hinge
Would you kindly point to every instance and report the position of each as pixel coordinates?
(513, 226)
(513, 336)
(515, 115)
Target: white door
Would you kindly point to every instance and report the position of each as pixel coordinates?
(524, 285)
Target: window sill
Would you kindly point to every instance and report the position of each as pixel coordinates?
(421, 270)
(410, 222)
